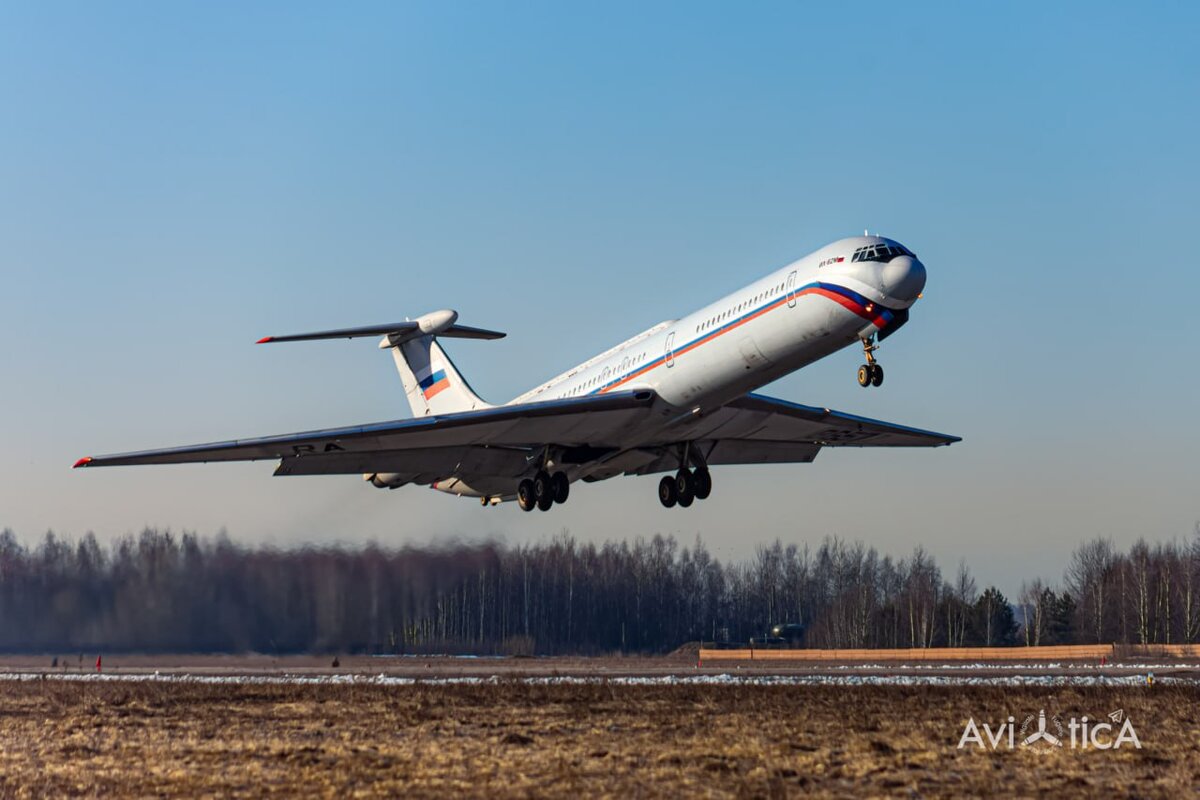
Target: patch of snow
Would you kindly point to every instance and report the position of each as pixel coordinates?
(721, 679)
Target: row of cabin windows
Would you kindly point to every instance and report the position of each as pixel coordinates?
(607, 374)
(753, 301)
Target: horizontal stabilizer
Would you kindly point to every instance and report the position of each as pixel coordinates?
(439, 323)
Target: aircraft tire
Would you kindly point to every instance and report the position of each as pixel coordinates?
(525, 497)
(561, 486)
(703, 479)
(876, 375)
(666, 492)
(864, 376)
(685, 487)
(545, 502)
(542, 487)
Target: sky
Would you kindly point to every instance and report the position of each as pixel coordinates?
(180, 179)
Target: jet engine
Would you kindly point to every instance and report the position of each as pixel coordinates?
(385, 480)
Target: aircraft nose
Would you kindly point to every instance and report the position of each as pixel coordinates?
(903, 278)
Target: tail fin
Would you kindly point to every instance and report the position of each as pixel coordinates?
(431, 381)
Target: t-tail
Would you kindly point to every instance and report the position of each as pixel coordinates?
(432, 383)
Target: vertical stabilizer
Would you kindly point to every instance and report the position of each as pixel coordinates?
(431, 381)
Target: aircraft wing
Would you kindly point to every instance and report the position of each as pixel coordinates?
(436, 445)
(767, 418)
(755, 429)
(499, 441)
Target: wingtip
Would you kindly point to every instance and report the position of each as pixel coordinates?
(83, 462)
(264, 339)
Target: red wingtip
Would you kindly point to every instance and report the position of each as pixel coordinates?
(264, 340)
(83, 462)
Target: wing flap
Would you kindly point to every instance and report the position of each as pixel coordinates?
(438, 462)
(725, 452)
(731, 451)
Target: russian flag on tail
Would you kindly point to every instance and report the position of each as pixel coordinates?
(433, 381)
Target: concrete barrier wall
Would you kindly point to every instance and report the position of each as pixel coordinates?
(1088, 652)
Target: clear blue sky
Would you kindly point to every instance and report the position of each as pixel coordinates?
(177, 180)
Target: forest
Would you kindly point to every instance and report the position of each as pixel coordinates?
(160, 591)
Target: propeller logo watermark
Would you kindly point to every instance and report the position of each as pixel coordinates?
(1039, 731)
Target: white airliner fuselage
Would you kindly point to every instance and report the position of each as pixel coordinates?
(676, 397)
(759, 333)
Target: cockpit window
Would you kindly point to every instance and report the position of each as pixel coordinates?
(881, 252)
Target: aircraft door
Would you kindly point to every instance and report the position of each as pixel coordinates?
(791, 290)
(670, 354)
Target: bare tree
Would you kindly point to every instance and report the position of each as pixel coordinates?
(1033, 611)
(1089, 577)
(960, 597)
(1188, 583)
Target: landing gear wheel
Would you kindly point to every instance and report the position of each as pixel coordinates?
(525, 498)
(685, 487)
(543, 490)
(703, 484)
(666, 492)
(561, 486)
(876, 375)
(541, 485)
(864, 375)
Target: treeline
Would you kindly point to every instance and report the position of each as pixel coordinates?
(164, 592)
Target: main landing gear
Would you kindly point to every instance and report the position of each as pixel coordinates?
(543, 490)
(684, 487)
(870, 373)
(687, 485)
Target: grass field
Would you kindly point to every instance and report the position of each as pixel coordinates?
(515, 739)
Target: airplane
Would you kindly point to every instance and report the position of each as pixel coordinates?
(677, 398)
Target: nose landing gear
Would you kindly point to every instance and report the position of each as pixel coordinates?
(870, 373)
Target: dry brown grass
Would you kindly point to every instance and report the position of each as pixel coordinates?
(517, 740)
